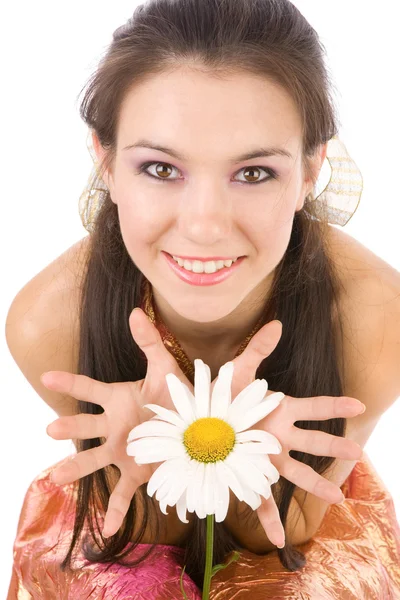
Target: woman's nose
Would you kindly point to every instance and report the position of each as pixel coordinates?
(206, 217)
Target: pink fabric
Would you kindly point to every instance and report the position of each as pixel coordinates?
(43, 537)
(355, 555)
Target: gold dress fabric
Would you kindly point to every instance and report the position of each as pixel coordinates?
(355, 555)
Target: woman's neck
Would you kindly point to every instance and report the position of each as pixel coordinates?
(223, 336)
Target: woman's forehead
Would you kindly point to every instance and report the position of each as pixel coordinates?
(240, 113)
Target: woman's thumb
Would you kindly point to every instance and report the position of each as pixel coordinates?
(140, 326)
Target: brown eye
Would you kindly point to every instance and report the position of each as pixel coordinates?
(254, 174)
(163, 170)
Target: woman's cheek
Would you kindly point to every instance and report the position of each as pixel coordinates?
(142, 227)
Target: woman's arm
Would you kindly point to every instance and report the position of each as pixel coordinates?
(371, 356)
(42, 324)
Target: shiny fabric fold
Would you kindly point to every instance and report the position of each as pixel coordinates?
(355, 555)
(43, 537)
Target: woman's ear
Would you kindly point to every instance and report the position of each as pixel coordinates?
(100, 154)
(323, 151)
(316, 166)
(318, 160)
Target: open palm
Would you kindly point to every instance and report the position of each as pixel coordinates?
(123, 404)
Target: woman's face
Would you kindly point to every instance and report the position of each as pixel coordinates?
(208, 203)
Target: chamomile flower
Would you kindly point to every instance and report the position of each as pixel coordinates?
(206, 447)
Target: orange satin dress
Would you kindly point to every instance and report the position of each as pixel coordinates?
(355, 555)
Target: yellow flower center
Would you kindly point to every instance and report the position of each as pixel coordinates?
(209, 439)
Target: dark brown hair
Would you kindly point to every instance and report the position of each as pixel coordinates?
(269, 38)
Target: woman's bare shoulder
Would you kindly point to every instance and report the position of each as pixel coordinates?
(370, 309)
(370, 285)
(62, 276)
(355, 262)
(42, 326)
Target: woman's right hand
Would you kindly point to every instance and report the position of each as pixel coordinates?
(123, 410)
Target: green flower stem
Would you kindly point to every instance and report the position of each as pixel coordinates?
(209, 557)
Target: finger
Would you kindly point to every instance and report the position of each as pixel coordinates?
(270, 520)
(119, 502)
(160, 360)
(304, 477)
(321, 408)
(262, 344)
(323, 444)
(80, 387)
(84, 463)
(79, 427)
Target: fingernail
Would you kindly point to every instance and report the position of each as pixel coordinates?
(52, 479)
(352, 405)
(279, 541)
(46, 379)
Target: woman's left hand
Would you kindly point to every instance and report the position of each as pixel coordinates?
(280, 422)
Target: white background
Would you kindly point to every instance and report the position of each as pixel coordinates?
(48, 51)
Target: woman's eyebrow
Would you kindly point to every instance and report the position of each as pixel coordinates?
(256, 153)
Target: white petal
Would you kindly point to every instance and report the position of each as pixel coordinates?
(191, 399)
(193, 485)
(159, 476)
(179, 398)
(248, 474)
(163, 490)
(208, 488)
(150, 452)
(221, 498)
(155, 443)
(249, 397)
(179, 482)
(260, 411)
(198, 492)
(252, 499)
(202, 383)
(221, 395)
(200, 510)
(167, 415)
(172, 488)
(272, 446)
(255, 435)
(163, 472)
(160, 456)
(181, 508)
(263, 463)
(176, 491)
(154, 427)
(228, 477)
(163, 507)
(191, 469)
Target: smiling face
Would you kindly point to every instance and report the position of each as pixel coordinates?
(207, 203)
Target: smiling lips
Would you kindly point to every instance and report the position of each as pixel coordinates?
(198, 266)
(214, 258)
(202, 278)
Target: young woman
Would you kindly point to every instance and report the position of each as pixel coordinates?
(210, 121)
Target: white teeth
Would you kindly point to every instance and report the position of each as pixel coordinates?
(198, 266)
